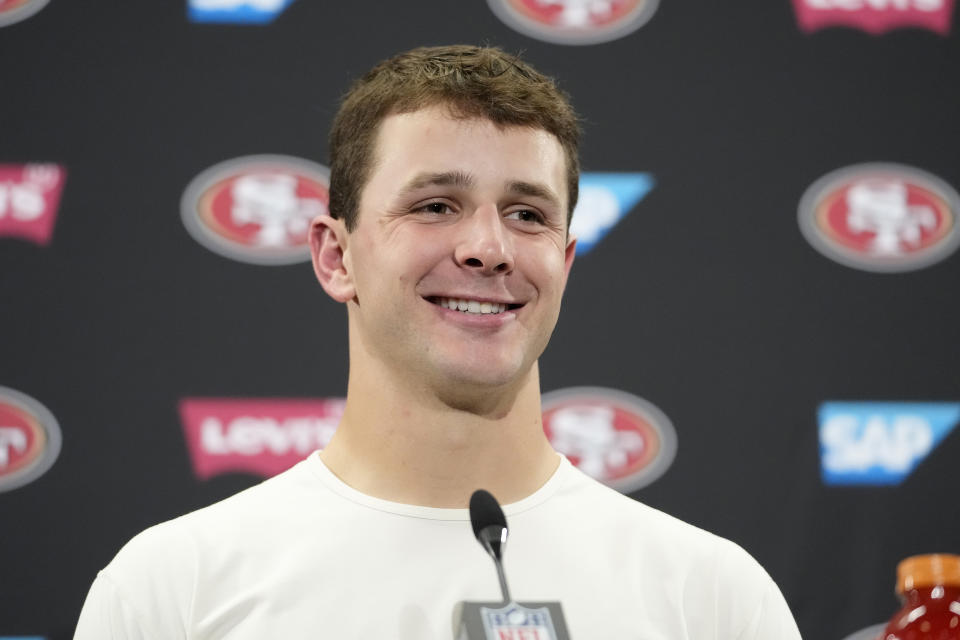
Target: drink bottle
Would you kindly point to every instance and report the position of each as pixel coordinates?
(929, 587)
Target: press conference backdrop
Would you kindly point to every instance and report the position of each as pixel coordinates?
(760, 334)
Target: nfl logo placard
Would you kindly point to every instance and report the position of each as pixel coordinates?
(514, 622)
(509, 621)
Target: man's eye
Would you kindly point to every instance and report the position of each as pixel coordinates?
(525, 215)
(435, 207)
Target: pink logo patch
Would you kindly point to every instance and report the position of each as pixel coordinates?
(29, 199)
(614, 437)
(875, 16)
(258, 436)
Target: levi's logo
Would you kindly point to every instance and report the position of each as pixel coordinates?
(875, 16)
(259, 436)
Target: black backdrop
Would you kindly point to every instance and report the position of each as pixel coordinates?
(705, 300)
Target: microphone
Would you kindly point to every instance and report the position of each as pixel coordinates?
(506, 620)
(490, 528)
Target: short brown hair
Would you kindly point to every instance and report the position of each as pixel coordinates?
(473, 82)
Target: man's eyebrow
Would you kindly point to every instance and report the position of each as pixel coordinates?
(464, 180)
(442, 179)
(534, 190)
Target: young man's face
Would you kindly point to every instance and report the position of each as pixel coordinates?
(458, 213)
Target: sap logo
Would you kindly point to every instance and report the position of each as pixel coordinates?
(880, 443)
(236, 11)
(605, 198)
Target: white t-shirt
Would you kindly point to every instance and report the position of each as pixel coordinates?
(303, 555)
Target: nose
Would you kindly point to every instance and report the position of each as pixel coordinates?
(483, 244)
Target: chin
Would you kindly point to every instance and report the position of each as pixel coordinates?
(481, 395)
(486, 375)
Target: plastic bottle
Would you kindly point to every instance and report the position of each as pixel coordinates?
(929, 587)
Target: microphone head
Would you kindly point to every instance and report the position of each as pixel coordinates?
(485, 511)
(489, 523)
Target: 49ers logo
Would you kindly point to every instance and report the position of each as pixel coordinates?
(575, 21)
(257, 208)
(29, 439)
(615, 437)
(881, 217)
(16, 10)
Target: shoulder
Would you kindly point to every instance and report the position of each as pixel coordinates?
(166, 556)
(702, 571)
(604, 509)
(146, 591)
(656, 540)
(151, 583)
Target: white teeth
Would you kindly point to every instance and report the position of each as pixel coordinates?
(471, 306)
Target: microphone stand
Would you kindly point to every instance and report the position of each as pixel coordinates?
(494, 539)
(507, 619)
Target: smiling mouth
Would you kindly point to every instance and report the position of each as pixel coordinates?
(478, 307)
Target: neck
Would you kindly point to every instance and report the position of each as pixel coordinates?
(400, 443)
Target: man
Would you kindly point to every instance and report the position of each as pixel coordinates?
(453, 177)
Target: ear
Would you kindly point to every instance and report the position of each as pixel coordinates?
(328, 250)
(568, 255)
